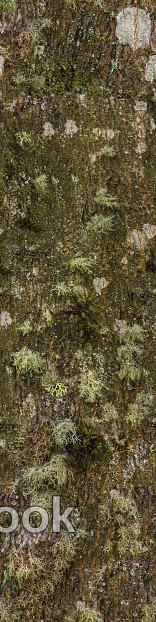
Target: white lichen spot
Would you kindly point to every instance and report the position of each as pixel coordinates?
(141, 147)
(150, 70)
(134, 27)
(48, 130)
(5, 319)
(70, 127)
(1, 66)
(99, 284)
(109, 134)
(124, 261)
(81, 98)
(92, 157)
(120, 324)
(152, 124)
(140, 106)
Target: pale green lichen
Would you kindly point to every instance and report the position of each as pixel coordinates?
(103, 197)
(26, 327)
(90, 387)
(8, 6)
(52, 473)
(24, 138)
(107, 152)
(149, 611)
(64, 433)
(130, 352)
(27, 361)
(90, 615)
(99, 224)
(83, 264)
(139, 409)
(57, 389)
(41, 184)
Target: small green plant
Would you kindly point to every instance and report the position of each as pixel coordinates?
(99, 224)
(8, 6)
(149, 611)
(65, 433)
(62, 289)
(27, 361)
(90, 387)
(105, 199)
(90, 615)
(19, 78)
(83, 264)
(107, 152)
(24, 138)
(51, 474)
(26, 328)
(139, 409)
(41, 184)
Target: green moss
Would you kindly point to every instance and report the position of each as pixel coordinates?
(65, 433)
(99, 224)
(26, 361)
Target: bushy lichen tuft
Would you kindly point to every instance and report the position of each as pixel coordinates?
(105, 199)
(91, 387)
(90, 615)
(83, 264)
(27, 361)
(99, 224)
(64, 433)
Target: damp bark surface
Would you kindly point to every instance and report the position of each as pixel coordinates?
(77, 308)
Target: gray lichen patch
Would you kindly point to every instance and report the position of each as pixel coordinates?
(150, 71)
(140, 238)
(48, 130)
(133, 27)
(5, 319)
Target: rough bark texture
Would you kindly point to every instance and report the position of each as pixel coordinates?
(77, 318)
